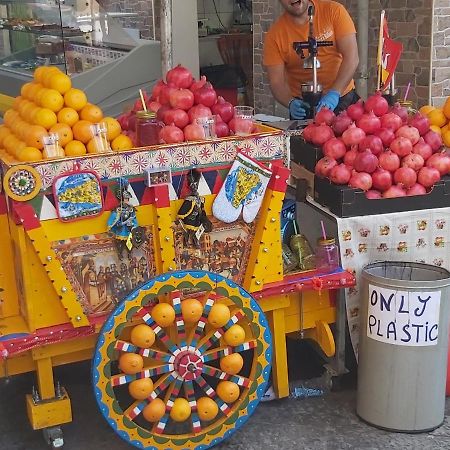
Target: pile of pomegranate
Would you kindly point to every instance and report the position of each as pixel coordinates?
(178, 102)
(378, 149)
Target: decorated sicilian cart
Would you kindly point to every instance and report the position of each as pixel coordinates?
(163, 265)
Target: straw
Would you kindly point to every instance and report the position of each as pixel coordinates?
(142, 100)
(294, 222)
(407, 91)
(324, 235)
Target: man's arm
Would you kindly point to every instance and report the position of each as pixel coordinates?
(278, 84)
(348, 48)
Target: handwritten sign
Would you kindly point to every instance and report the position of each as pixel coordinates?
(403, 317)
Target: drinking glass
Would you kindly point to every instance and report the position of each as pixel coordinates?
(209, 126)
(243, 120)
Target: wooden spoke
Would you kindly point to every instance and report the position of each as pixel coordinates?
(121, 379)
(217, 353)
(190, 395)
(211, 393)
(172, 393)
(217, 373)
(125, 346)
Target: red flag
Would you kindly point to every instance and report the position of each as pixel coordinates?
(391, 52)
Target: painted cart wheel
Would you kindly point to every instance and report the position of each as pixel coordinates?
(182, 362)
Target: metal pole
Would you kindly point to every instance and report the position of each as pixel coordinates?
(363, 47)
(166, 36)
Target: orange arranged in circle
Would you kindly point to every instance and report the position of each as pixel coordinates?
(154, 411)
(142, 336)
(232, 364)
(228, 391)
(207, 408)
(163, 314)
(219, 315)
(192, 310)
(131, 363)
(181, 410)
(235, 335)
(140, 389)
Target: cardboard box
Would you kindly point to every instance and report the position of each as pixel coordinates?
(305, 153)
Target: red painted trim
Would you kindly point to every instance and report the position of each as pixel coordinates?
(3, 204)
(278, 181)
(26, 215)
(160, 195)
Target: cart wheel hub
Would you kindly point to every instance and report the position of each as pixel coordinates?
(188, 365)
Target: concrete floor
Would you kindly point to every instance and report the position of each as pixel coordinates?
(323, 423)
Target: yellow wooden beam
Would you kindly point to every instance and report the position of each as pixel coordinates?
(6, 103)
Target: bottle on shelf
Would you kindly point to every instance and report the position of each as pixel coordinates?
(147, 128)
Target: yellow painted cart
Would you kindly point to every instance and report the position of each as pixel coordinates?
(182, 340)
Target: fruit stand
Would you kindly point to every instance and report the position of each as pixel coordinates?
(184, 327)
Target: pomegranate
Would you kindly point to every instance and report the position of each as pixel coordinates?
(340, 174)
(369, 123)
(180, 77)
(164, 94)
(360, 180)
(423, 149)
(420, 122)
(308, 132)
(405, 176)
(325, 116)
(181, 99)
(223, 109)
(381, 179)
(416, 189)
(427, 176)
(439, 161)
(222, 129)
(157, 89)
(349, 157)
(365, 161)
(321, 134)
(176, 117)
(341, 123)
(377, 104)
(413, 160)
(334, 148)
(194, 132)
(391, 121)
(162, 111)
(408, 132)
(154, 106)
(132, 122)
(198, 111)
(389, 160)
(394, 191)
(434, 140)
(401, 145)
(171, 135)
(401, 111)
(356, 110)
(373, 194)
(372, 143)
(353, 135)
(324, 166)
(386, 135)
(198, 84)
(206, 95)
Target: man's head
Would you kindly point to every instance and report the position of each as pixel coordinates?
(296, 8)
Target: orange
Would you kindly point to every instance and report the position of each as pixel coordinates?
(130, 363)
(437, 117)
(60, 82)
(98, 145)
(16, 102)
(192, 310)
(228, 391)
(446, 108)
(425, 109)
(39, 72)
(181, 410)
(219, 315)
(34, 136)
(154, 411)
(207, 408)
(445, 128)
(10, 117)
(10, 142)
(140, 389)
(27, 154)
(27, 110)
(235, 335)
(92, 113)
(446, 138)
(163, 314)
(4, 131)
(75, 148)
(113, 128)
(46, 77)
(121, 142)
(51, 99)
(45, 118)
(68, 116)
(142, 336)
(34, 90)
(436, 129)
(75, 98)
(25, 90)
(82, 131)
(64, 133)
(232, 364)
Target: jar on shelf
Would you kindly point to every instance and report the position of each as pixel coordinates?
(408, 105)
(327, 255)
(147, 128)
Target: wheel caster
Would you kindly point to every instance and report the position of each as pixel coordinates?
(54, 437)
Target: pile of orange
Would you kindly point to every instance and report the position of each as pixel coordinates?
(49, 104)
(439, 120)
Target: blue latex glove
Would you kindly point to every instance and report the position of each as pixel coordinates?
(330, 100)
(298, 108)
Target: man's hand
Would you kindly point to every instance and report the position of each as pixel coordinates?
(298, 108)
(330, 100)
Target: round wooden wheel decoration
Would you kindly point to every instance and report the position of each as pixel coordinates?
(182, 362)
(22, 183)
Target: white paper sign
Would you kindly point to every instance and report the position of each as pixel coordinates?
(403, 317)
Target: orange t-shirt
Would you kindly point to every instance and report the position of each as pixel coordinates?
(331, 22)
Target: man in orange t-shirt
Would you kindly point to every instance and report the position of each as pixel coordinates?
(338, 62)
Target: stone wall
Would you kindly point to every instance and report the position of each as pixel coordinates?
(440, 75)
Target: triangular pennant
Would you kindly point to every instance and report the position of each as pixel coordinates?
(210, 178)
(111, 201)
(48, 211)
(221, 175)
(138, 188)
(133, 200)
(36, 203)
(178, 182)
(203, 188)
(51, 198)
(172, 193)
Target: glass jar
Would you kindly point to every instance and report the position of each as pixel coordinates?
(147, 128)
(408, 105)
(302, 249)
(327, 255)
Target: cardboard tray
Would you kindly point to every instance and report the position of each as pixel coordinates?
(344, 201)
(304, 153)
